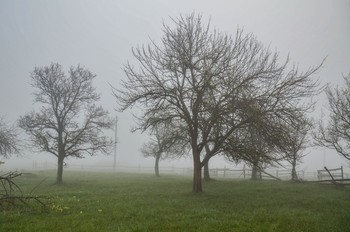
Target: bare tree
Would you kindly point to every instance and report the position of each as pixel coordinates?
(8, 139)
(206, 81)
(298, 142)
(252, 147)
(69, 123)
(165, 144)
(336, 135)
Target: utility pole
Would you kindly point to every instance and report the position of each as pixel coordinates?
(115, 143)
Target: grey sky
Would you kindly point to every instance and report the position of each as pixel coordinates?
(99, 35)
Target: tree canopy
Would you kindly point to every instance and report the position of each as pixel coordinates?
(212, 84)
(69, 123)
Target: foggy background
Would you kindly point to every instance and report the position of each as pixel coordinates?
(99, 35)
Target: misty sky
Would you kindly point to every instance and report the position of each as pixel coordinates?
(99, 35)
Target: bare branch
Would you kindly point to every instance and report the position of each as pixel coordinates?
(8, 139)
(69, 122)
(211, 85)
(336, 135)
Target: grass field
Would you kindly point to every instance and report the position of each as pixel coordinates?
(135, 202)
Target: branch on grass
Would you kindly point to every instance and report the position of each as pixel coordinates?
(12, 194)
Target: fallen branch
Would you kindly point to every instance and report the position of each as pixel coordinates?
(13, 196)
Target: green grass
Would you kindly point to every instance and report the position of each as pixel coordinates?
(136, 202)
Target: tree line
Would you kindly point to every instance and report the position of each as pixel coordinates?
(201, 92)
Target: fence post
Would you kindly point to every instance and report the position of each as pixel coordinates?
(224, 170)
(277, 173)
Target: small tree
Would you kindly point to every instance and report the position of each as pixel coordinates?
(8, 139)
(69, 123)
(164, 144)
(250, 146)
(298, 142)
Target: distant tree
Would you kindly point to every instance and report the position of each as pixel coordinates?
(251, 147)
(336, 135)
(271, 139)
(69, 123)
(165, 144)
(8, 139)
(207, 81)
(298, 142)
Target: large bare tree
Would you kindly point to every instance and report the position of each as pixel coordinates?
(207, 82)
(69, 123)
(336, 135)
(8, 139)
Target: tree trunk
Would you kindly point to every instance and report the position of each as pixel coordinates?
(294, 171)
(61, 154)
(59, 171)
(254, 172)
(206, 165)
(206, 172)
(197, 172)
(156, 166)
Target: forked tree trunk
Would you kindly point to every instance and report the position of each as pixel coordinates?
(156, 166)
(206, 166)
(59, 171)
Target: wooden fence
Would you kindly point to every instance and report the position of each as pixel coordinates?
(238, 173)
(324, 174)
(334, 176)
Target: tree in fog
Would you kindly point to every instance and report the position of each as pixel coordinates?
(165, 143)
(69, 123)
(206, 82)
(336, 135)
(251, 147)
(298, 141)
(8, 139)
(271, 140)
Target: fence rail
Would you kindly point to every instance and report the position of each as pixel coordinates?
(239, 173)
(326, 174)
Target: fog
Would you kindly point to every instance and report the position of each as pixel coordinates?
(100, 34)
